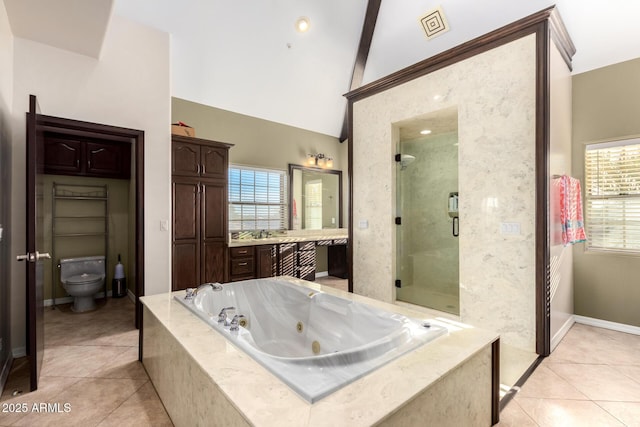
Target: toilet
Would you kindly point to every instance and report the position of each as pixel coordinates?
(82, 278)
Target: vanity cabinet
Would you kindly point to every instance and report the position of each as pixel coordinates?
(307, 261)
(68, 155)
(286, 259)
(199, 210)
(266, 261)
(241, 263)
(337, 260)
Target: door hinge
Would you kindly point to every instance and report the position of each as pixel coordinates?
(398, 220)
(398, 283)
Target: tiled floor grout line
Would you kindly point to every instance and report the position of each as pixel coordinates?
(121, 403)
(608, 412)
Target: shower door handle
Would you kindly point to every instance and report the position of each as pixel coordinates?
(456, 226)
(33, 257)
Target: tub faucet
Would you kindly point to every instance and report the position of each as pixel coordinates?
(214, 286)
(222, 317)
(236, 322)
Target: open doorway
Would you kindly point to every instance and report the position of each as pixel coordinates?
(88, 150)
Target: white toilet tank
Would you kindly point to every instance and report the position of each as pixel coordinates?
(73, 267)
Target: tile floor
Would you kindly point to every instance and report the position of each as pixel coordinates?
(591, 379)
(91, 363)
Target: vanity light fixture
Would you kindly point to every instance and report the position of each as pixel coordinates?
(425, 132)
(319, 159)
(303, 24)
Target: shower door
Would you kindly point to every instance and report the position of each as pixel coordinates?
(427, 258)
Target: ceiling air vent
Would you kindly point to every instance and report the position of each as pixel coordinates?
(434, 23)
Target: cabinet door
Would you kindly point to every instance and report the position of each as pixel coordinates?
(186, 234)
(214, 162)
(307, 261)
(185, 159)
(213, 262)
(267, 261)
(214, 213)
(108, 160)
(287, 259)
(62, 157)
(186, 209)
(337, 259)
(186, 265)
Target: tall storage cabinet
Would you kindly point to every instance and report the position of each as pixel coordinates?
(199, 170)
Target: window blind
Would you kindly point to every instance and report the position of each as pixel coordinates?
(612, 196)
(257, 199)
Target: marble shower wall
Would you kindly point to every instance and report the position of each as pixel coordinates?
(495, 96)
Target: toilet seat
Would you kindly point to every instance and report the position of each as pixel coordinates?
(84, 278)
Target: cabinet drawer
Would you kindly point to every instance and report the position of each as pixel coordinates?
(306, 246)
(340, 241)
(241, 266)
(324, 242)
(241, 252)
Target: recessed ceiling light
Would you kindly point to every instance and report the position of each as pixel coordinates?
(303, 24)
(425, 132)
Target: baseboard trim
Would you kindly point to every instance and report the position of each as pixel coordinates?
(605, 324)
(68, 299)
(131, 296)
(19, 352)
(562, 332)
(322, 274)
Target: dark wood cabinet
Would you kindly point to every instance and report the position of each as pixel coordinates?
(200, 210)
(285, 259)
(266, 261)
(64, 155)
(197, 160)
(241, 263)
(307, 261)
(251, 262)
(337, 259)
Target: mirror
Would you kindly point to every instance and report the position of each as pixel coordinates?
(315, 198)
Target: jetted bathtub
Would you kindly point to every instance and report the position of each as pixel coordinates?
(313, 341)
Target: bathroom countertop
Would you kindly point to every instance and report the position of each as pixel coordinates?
(265, 400)
(294, 236)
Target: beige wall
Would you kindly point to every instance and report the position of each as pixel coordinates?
(128, 86)
(495, 96)
(606, 106)
(561, 257)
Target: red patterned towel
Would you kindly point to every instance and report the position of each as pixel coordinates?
(571, 211)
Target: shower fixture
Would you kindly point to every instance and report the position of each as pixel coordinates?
(406, 160)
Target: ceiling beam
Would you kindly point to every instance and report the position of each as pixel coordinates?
(368, 27)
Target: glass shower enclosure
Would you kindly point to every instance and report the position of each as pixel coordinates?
(427, 234)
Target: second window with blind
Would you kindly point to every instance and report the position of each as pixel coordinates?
(612, 196)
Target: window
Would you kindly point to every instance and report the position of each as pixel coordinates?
(257, 199)
(612, 196)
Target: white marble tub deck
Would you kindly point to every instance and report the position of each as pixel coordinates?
(264, 400)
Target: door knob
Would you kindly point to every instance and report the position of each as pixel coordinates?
(33, 257)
